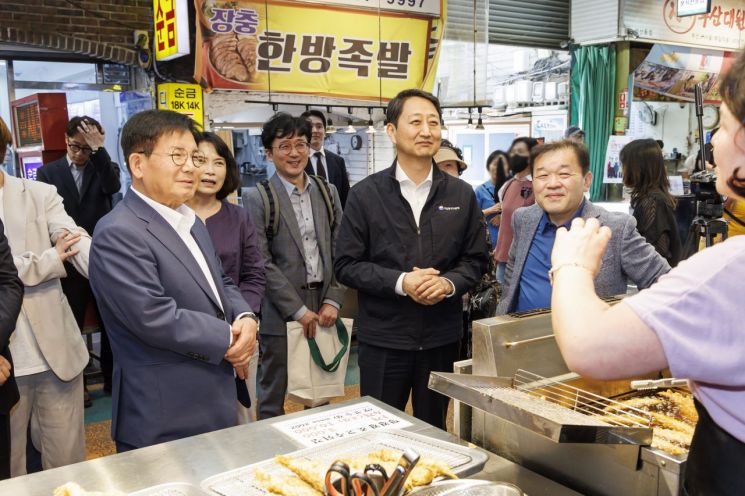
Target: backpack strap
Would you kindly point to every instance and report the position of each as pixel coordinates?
(328, 198)
(271, 208)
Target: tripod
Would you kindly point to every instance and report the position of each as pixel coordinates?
(707, 228)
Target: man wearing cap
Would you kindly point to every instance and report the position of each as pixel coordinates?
(575, 133)
(412, 243)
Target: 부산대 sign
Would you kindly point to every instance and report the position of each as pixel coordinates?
(298, 47)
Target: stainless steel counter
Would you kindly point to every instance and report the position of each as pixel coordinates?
(194, 459)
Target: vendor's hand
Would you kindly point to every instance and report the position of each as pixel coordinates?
(309, 322)
(434, 290)
(583, 244)
(244, 345)
(327, 315)
(64, 245)
(4, 370)
(495, 220)
(92, 136)
(414, 279)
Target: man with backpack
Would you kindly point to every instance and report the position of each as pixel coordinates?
(300, 215)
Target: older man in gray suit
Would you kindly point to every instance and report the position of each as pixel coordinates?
(561, 175)
(300, 282)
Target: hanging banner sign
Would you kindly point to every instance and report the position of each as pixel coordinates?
(299, 47)
(674, 71)
(171, 28)
(182, 98)
(723, 27)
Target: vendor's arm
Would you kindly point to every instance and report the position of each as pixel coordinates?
(597, 340)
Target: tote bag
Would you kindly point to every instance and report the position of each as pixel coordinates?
(316, 367)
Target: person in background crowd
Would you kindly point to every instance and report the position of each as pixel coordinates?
(298, 258)
(689, 322)
(561, 176)
(449, 159)
(86, 179)
(515, 193)
(179, 327)
(652, 204)
(234, 236)
(332, 167)
(11, 296)
(575, 133)
(412, 242)
(49, 355)
(486, 194)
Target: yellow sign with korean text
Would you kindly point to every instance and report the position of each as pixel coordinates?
(298, 47)
(171, 28)
(182, 98)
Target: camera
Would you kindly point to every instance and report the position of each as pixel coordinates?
(709, 202)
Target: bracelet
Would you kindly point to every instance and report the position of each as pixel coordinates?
(557, 268)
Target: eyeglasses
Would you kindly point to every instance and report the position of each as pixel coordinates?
(286, 148)
(79, 149)
(180, 156)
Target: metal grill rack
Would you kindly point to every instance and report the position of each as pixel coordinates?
(549, 407)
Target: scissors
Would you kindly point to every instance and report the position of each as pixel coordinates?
(346, 483)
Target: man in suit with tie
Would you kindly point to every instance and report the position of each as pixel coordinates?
(300, 281)
(179, 327)
(85, 178)
(322, 162)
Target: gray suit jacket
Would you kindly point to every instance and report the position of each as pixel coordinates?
(628, 257)
(284, 258)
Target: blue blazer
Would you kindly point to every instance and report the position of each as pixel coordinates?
(168, 334)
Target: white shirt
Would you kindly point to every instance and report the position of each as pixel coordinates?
(416, 196)
(27, 356)
(182, 220)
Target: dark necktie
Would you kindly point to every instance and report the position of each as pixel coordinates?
(320, 170)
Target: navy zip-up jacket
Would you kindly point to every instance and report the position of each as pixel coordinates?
(379, 239)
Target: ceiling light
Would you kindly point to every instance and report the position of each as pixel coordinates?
(480, 123)
(350, 128)
(330, 128)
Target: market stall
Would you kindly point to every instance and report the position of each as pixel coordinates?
(197, 465)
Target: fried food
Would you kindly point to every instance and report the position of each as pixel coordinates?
(311, 472)
(673, 419)
(284, 486)
(73, 489)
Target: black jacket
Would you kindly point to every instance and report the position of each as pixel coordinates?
(100, 181)
(11, 297)
(379, 239)
(336, 171)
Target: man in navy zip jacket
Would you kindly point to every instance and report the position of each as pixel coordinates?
(412, 243)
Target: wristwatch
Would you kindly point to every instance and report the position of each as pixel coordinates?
(251, 315)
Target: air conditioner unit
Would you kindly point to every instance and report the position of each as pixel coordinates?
(549, 91)
(510, 94)
(562, 90)
(524, 91)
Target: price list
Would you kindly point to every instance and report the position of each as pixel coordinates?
(29, 127)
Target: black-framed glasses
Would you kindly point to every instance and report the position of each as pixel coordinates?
(79, 149)
(180, 156)
(286, 148)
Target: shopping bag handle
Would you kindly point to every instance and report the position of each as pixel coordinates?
(315, 353)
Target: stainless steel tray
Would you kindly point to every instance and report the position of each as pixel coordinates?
(525, 406)
(468, 488)
(462, 460)
(170, 489)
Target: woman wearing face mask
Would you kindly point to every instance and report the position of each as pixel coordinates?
(515, 193)
(234, 236)
(690, 321)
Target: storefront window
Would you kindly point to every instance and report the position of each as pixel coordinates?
(62, 72)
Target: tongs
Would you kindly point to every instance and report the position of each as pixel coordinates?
(651, 384)
(374, 481)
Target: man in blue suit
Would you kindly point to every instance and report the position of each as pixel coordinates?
(179, 328)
